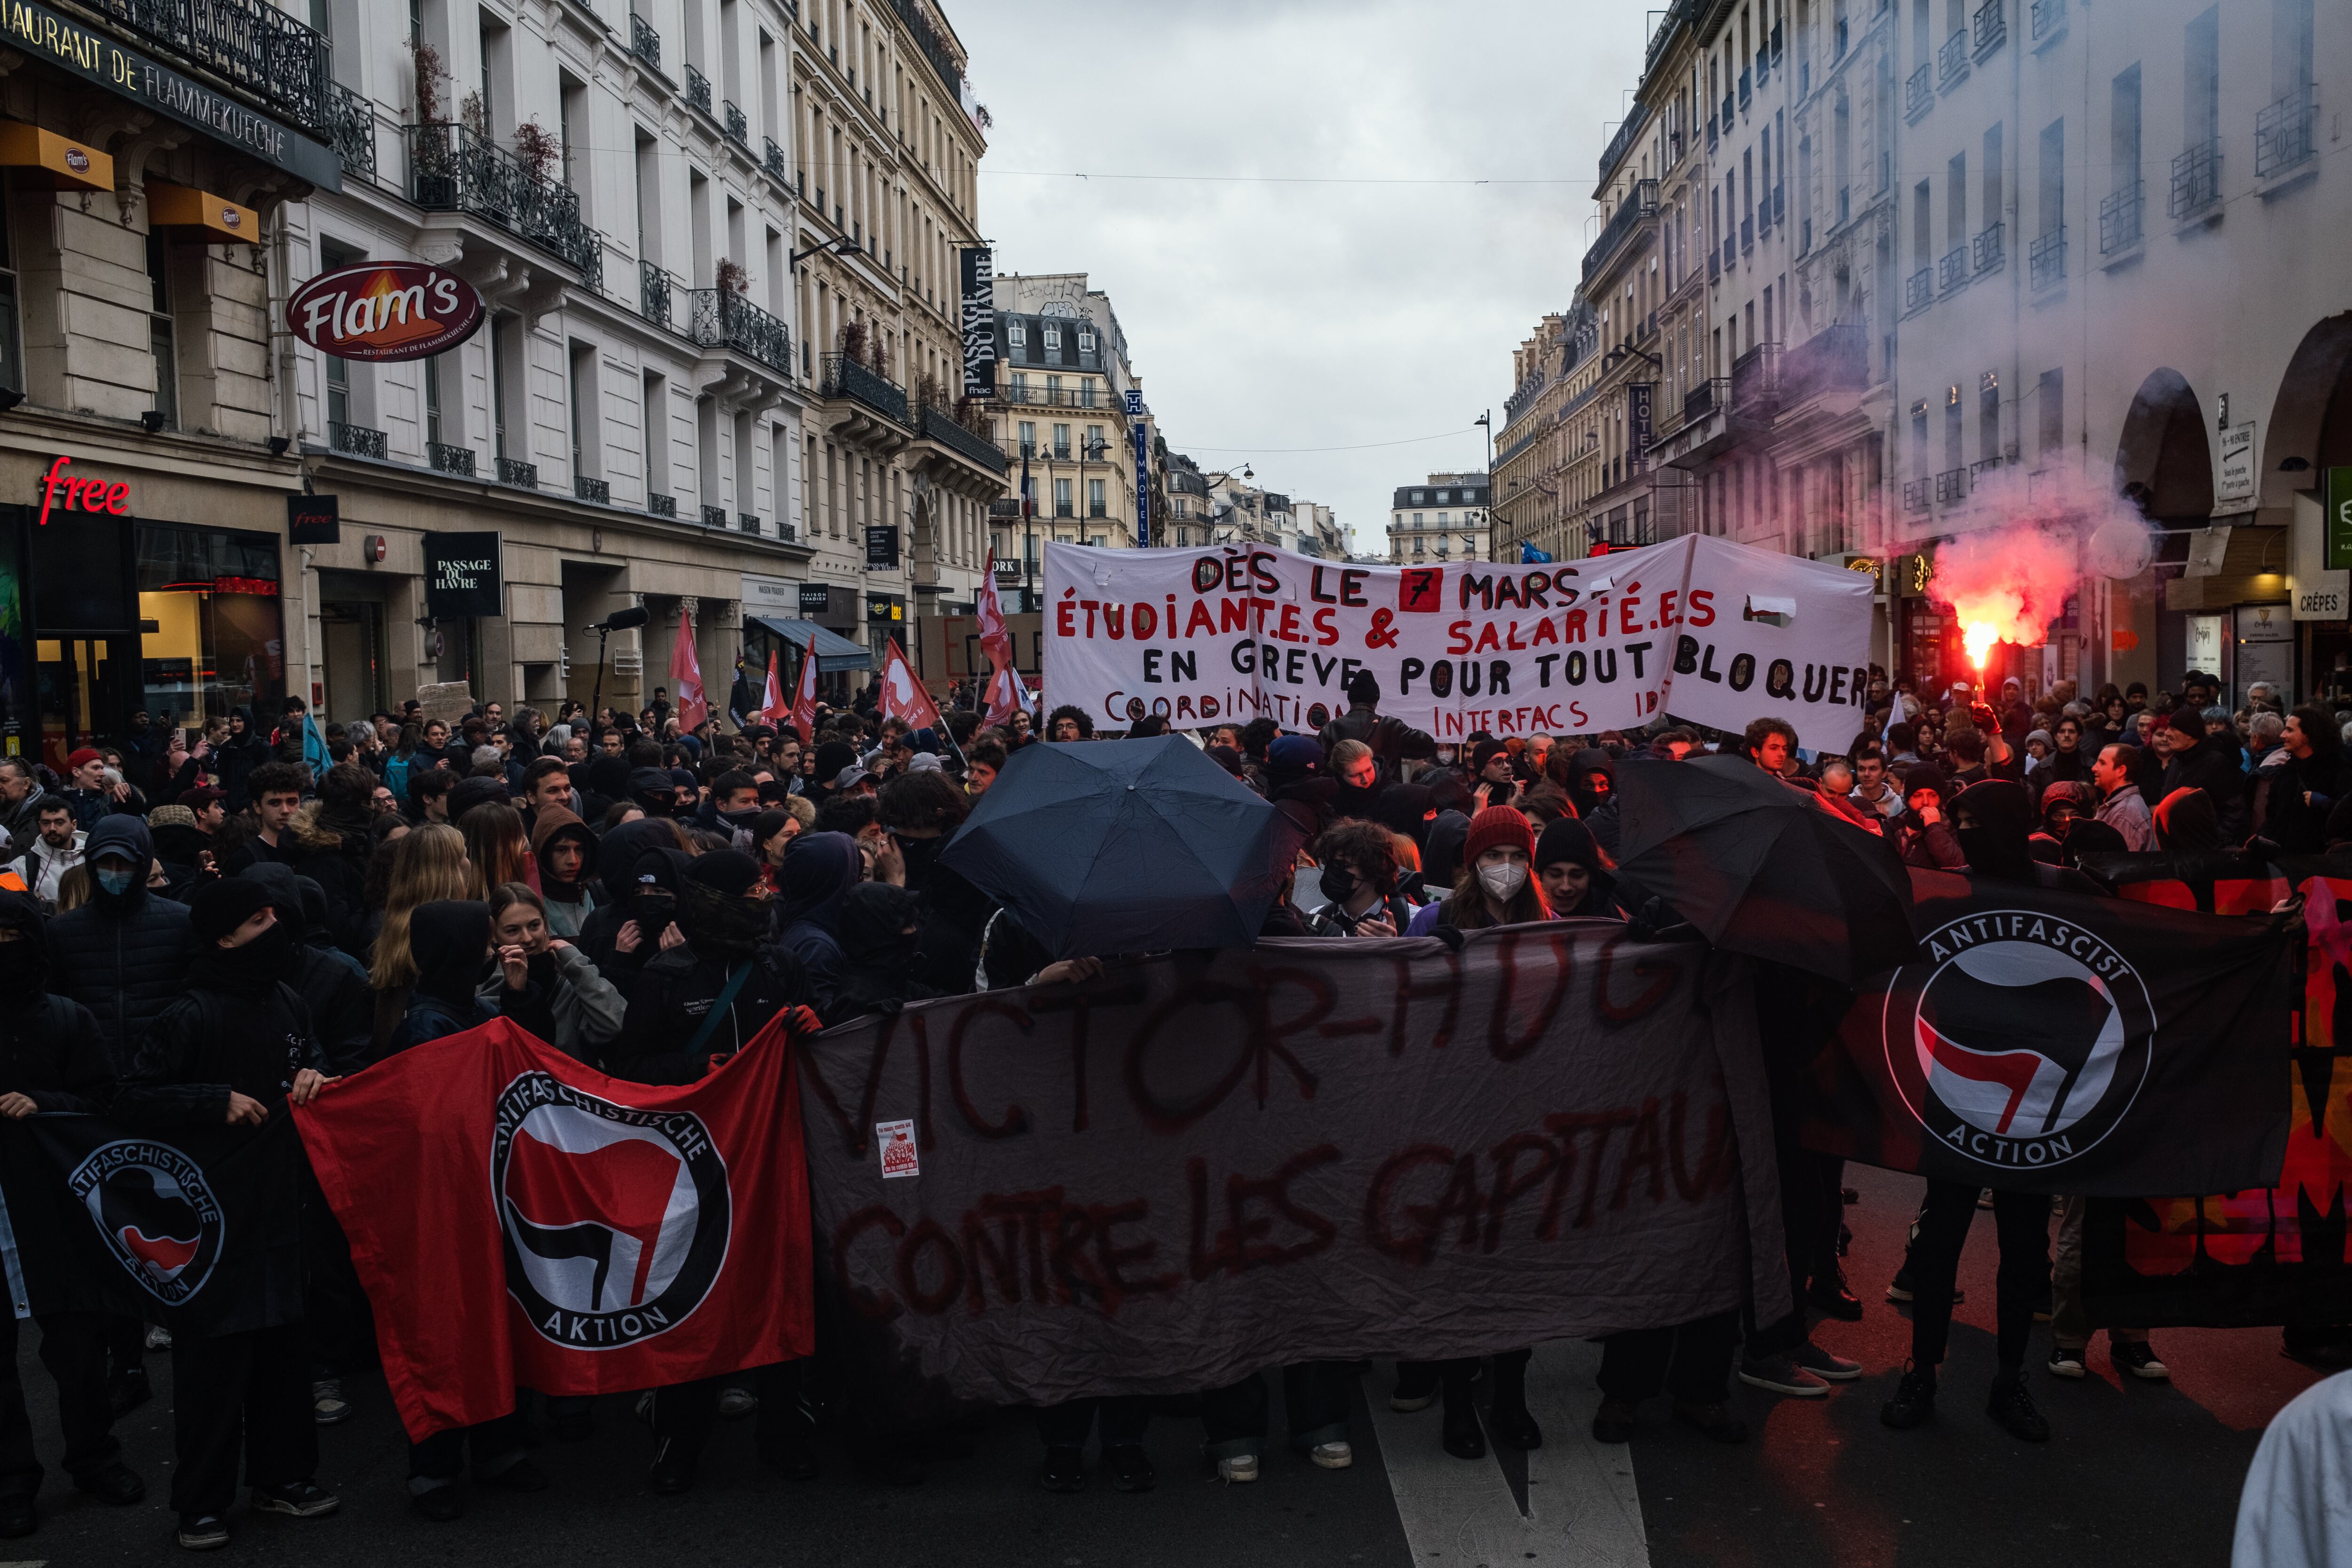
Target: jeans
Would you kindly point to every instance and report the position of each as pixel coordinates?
(2067, 1326)
(1316, 1396)
(246, 1390)
(2021, 1221)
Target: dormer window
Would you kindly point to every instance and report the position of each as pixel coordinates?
(1016, 332)
(1085, 342)
(1052, 340)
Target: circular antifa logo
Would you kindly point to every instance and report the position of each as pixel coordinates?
(2022, 1041)
(616, 1218)
(156, 1215)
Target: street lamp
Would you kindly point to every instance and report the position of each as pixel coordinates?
(839, 245)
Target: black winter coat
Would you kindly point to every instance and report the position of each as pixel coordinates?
(2213, 768)
(675, 995)
(238, 757)
(335, 856)
(123, 958)
(52, 1051)
(224, 1035)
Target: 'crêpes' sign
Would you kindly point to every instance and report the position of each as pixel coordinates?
(1706, 630)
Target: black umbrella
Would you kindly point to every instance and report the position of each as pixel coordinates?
(1124, 846)
(1762, 868)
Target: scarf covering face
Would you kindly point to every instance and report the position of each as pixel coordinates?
(818, 870)
(714, 908)
(450, 940)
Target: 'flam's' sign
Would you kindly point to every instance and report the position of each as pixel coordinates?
(384, 311)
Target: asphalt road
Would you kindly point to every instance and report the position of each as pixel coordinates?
(2137, 1476)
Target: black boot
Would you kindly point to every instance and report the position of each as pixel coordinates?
(1914, 1398)
(2012, 1406)
(1463, 1437)
(1512, 1426)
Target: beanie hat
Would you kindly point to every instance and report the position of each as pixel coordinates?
(1497, 827)
(1567, 840)
(1295, 756)
(730, 871)
(1364, 689)
(86, 754)
(1924, 776)
(200, 799)
(1482, 753)
(219, 907)
(2184, 719)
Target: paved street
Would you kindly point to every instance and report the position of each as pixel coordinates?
(2139, 1477)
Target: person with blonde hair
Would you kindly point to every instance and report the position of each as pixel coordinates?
(497, 849)
(427, 865)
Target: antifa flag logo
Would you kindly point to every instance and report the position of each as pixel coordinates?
(2022, 1042)
(615, 1219)
(154, 1212)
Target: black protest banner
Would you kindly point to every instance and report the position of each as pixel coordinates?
(198, 1228)
(1201, 1165)
(2275, 1254)
(2054, 1041)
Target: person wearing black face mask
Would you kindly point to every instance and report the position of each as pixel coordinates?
(51, 1059)
(654, 792)
(1358, 861)
(238, 1048)
(617, 854)
(921, 813)
(878, 934)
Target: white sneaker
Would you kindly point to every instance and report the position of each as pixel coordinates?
(1239, 1470)
(158, 1337)
(1332, 1456)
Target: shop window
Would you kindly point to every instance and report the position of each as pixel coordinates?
(12, 335)
(158, 332)
(210, 596)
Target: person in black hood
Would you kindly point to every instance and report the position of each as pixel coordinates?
(818, 872)
(237, 756)
(342, 1010)
(617, 875)
(600, 781)
(879, 930)
(1391, 740)
(1591, 781)
(1993, 819)
(123, 954)
(1576, 876)
(699, 1004)
(921, 812)
(236, 1049)
(330, 842)
(654, 792)
(2195, 760)
(52, 1059)
(450, 939)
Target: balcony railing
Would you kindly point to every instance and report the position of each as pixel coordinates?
(2119, 218)
(1951, 484)
(745, 522)
(1918, 92)
(714, 516)
(644, 42)
(1915, 494)
(448, 459)
(1710, 396)
(1635, 121)
(597, 490)
(1748, 234)
(772, 158)
(697, 90)
(1756, 378)
(516, 472)
(1952, 268)
(653, 293)
(1743, 88)
(787, 532)
(2047, 16)
(353, 130)
(722, 318)
(452, 169)
(1919, 288)
(1641, 202)
(1730, 250)
(2047, 259)
(1991, 23)
(2283, 133)
(1089, 396)
(737, 124)
(258, 47)
(844, 377)
(1835, 359)
(660, 505)
(1989, 250)
(2195, 180)
(927, 38)
(359, 440)
(1952, 60)
(939, 426)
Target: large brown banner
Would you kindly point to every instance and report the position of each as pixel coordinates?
(1201, 1165)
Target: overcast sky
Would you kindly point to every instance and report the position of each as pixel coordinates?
(1265, 316)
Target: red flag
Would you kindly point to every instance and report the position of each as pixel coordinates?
(686, 678)
(995, 637)
(903, 696)
(773, 710)
(804, 699)
(564, 1230)
(1007, 693)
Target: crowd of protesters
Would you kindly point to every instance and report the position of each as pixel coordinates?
(202, 924)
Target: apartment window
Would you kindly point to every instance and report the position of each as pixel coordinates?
(506, 385)
(2051, 197)
(1053, 391)
(432, 400)
(1442, 519)
(1020, 385)
(1989, 416)
(1992, 191)
(1095, 442)
(1095, 498)
(1956, 199)
(2049, 403)
(1416, 518)
(160, 340)
(1052, 336)
(653, 410)
(586, 450)
(1922, 240)
(2201, 79)
(1419, 496)
(2123, 127)
(1099, 540)
(1016, 332)
(12, 340)
(1062, 441)
(1085, 343)
(1920, 437)
(1061, 497)
(1028, 438)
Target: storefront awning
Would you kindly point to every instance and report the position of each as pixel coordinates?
(834, 652)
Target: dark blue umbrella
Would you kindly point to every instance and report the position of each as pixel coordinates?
(1124, 846)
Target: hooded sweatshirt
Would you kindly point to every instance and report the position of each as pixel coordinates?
(450, 939)
(711, 996)
(343, 1010)
(125, 955)
(818, 872)
(569, 904)
(616, 877)
(50, 1050)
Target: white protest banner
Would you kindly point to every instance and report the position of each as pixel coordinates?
(1699, 628)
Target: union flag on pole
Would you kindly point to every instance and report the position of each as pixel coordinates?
(1007, 695)
(903, 696)
(805, 698)
(995, 637)
(686, 678)
(773, 710)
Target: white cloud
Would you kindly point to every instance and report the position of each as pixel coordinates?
(1270, 315)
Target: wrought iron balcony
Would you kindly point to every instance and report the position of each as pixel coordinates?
(1952, 60)
(1748, 234)
(516, 472)
(644, 43)
(452, 169)
(353, 129)
(1743, 88)
(772, 158)
(714, 516)
(1915, 494)
(1990, 251)
(1951, 485)
(1641, 202)
(1835, 359)
(448, 459)
(1952, 268)
(939, 426)
(737, 124)
(1708, 397)
(359, 440)
(1638, 117)
(653, 293)
(1919, 289)
(697, 90)
(2119, 218)
(2047, 259)
(2283, 133)
(2047, 16)
(2195, 180)
(1992, 22)
(846, 378)
(787, 532)
(661, 506)
(597, 490)
(1756, 378)
(258, 47)
(1918, 92)
(747, 522)
(913, 17)
(722, 318)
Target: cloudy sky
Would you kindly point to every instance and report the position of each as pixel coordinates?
(1306, 293)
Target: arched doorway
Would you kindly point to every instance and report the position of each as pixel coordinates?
(2164, 465)
(2310, 432)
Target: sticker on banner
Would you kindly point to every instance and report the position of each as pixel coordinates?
(897, 1141)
